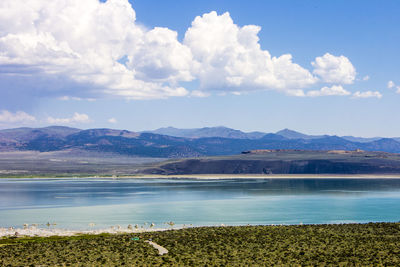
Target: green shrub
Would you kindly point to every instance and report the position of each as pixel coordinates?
(339, 245)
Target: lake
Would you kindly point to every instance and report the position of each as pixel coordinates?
(76, 203)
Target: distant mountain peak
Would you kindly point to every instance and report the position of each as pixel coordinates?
(272, 136)
(291, 134)
(286, 130)
(214, 131)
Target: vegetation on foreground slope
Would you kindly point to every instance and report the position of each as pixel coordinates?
(349, 244)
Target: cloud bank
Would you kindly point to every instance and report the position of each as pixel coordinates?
(89, 49)
(337, 90)
(367, 94)
(76, 118)
(8, 118)
(19, 117)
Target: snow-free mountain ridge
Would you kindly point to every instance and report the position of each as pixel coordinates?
(175, 143)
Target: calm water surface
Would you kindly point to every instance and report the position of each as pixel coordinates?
(75, 203)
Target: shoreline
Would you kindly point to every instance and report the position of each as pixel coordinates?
(10, 232)
(269, 176)
(45, 232)
(218, 176)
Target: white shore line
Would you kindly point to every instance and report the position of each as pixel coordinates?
(48, 232)
(227, 176)
(43, 232)
(261, 176)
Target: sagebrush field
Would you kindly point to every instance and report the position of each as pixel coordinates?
(336, 245)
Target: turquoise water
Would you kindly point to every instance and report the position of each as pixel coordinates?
(76, 203)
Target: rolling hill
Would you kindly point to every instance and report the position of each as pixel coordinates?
(200, 143)
(220, 131)
(268, 162)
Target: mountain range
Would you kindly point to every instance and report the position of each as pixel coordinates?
(180, 143)
(219, 131)
(225, 132)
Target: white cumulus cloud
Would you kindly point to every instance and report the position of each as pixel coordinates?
(228, 56)
(367, 94)
(334, 69)
(20, 117)
(82, 50)
(82, 42)
(335, 90)
(76, 118)
(162, 57)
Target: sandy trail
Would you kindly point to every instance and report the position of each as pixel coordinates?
(161, 250)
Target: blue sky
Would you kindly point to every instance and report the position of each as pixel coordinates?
(66, 69)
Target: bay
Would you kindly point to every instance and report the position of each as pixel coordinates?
(78, 203)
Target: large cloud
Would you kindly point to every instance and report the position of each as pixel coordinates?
(82, 42)
(161, 57)
(88, 49)
(229, 56)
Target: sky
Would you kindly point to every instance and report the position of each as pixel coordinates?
(318, 67)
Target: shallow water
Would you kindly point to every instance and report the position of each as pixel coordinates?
(76, 203)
